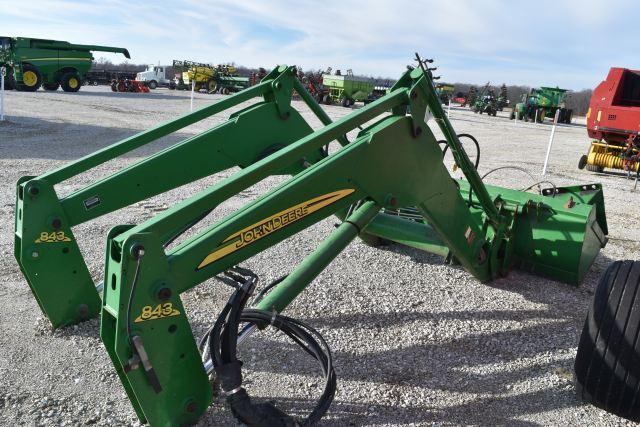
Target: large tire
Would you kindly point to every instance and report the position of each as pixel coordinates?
(326, 99)
(70, 82)
(594, 168)
(51, 86)
(31, 79)
(607, 366)
(345, 102)
(9, 82)
(152, 84)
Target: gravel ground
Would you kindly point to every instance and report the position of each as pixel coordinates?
(415, 342)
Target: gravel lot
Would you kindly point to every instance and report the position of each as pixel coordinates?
(415, 342)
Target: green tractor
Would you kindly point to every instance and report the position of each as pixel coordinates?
(486, 102)
(541, 103)
(32, 63)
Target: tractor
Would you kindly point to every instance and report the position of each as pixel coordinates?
(485, 102)
(541, 103)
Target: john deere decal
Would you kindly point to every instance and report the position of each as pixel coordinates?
(271, 224)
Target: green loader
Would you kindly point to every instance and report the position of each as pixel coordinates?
(32, 63)
(387, 183)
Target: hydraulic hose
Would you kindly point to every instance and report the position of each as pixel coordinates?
(222, 339)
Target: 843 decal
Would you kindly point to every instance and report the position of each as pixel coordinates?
(157, 312)
(52, 237)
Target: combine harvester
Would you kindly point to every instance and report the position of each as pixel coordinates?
(32, 63)
(613, 123)
(387, 183)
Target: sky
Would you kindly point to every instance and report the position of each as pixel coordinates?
(566, 43)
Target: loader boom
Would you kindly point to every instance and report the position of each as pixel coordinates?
(45, 246)
(393, 166)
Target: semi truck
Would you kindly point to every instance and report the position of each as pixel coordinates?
(154, 76)
(32, 63)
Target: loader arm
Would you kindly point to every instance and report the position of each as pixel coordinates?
(394, 165)
(45, 246)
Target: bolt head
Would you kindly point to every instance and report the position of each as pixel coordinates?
(56, 223)
(191, 407)
(164, 294)
(34, 191)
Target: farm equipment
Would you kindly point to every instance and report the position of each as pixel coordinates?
(471, 97)
(347, 89)
(613, 123)
(126, 85)
(220, 78)
(445, 92)
(32, 63)
(503, 98)
(387, 183)
(312, 82)
(97, 77)
(485, 102)
(541, 103)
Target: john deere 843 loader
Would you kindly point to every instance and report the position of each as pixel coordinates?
(388, 183)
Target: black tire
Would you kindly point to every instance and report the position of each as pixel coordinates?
(152, 84)
(9, 82)
(51, 86)
(70, 82)
(582, 162)
(345, 102)
(594, 168)
(513, 115)
(352, 102)
(326, 99)
(31, 79)
(607, 366)
(567, 116)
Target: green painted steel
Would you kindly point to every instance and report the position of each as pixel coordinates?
(542, 102)
(399, 168)
(56, 270)
(348, 87)
(389, 182)
(54, 60)
(287, 290)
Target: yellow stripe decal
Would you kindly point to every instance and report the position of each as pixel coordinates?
(56, 59)
(272, 224)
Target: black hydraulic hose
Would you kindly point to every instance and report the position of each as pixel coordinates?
(222, 338)
(464, 135)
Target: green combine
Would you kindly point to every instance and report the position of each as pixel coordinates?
(541, 103)
(32, 63)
